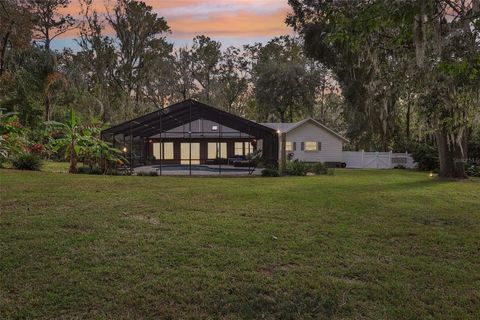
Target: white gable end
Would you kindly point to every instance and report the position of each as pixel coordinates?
(310, 131)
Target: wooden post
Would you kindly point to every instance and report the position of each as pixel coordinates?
(283, 152)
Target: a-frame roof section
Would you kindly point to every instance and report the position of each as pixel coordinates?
(184, 112)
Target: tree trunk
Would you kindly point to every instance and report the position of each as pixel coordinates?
(73, 159)
(4, 47)
(47, 108)
(408, 123)
(451, 157)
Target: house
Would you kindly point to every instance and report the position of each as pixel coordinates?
(192, 133)
(311, 141)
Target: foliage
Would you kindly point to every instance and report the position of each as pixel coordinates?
(284, 80)
(27, 161)
(382, 67)
(473, 170)
(270, 172)
(426, 157)
(296, 168)
(79, 140)
(388, 74)
(13, 140)
(318, 168)
(147, 174)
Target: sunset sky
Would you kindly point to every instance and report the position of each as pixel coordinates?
(233, 22)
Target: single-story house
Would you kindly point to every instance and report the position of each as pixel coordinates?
(193, 133)
(309, 140)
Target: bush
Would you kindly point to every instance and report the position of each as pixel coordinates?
(270, 172)
(147, 174)
(472, 170)
(319, 168)
(296, 168)
(27, 161)
(426, 158)
(90, 170)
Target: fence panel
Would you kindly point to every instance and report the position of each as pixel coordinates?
(377, 160)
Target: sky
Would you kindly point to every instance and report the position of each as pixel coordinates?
(233, 22)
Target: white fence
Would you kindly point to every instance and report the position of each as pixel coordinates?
(377, 160)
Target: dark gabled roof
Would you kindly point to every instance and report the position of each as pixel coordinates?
(184, 112)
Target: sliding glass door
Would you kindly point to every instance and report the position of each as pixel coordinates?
(190, 151)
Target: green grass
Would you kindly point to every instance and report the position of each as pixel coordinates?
(55, 166)
(357, 245)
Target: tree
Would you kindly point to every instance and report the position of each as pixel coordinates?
(205, 58)
(447, 43)
(140, 37)
(48, 24)
(15, 29)
(184, 80)
(232, 78)
(370, 46)
(283, 85)
(96, 62)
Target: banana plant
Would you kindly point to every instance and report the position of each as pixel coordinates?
(79, 140)
(75, 138)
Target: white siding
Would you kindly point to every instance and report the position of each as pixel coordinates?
(309, 131)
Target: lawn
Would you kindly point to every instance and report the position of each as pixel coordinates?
(357, 245)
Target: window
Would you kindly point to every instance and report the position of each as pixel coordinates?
(214, 128)
(239, 148)
(167, 151)
(190, 153)
(248, 148)
(290, 146)
(156, 151)
(243, 148)
(311, 146)
(217, 150)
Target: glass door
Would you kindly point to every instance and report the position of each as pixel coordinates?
(190, 151)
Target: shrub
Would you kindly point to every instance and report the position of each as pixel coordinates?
(318, 168)
(296, 168)
(270, 172)
(90, 170)
(83, 170)
(473, 170)
(147, 174)
(27, 161)
(426, 157)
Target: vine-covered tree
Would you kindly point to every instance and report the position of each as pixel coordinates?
(371, 48)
